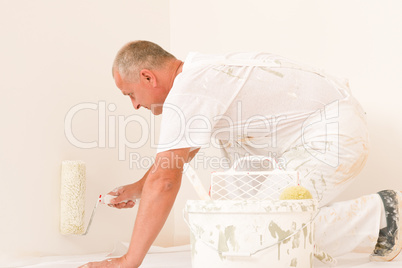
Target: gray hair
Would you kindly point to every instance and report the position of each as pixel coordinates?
(138, 55)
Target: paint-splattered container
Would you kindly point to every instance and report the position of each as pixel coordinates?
(252, 234)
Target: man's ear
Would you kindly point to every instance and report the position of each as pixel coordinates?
(148, 77)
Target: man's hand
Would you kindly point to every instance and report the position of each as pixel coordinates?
(109, 263)
(129, 192)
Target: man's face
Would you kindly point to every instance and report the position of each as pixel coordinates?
(142, 93)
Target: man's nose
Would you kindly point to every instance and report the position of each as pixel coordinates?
(136, 105)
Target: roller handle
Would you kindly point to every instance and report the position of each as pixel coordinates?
(106, 199)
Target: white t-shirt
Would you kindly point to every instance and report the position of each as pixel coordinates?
(232, 98)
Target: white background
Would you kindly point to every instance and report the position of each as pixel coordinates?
(57, 54)
(53, 56)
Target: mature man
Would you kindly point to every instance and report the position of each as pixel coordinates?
(253, 104)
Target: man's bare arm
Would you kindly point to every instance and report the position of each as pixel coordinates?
(158, 195)
(192, 154)
(134, 190)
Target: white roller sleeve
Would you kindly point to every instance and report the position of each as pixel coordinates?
(72, 197)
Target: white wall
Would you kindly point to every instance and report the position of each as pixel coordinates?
(53, 56)
(355, 39)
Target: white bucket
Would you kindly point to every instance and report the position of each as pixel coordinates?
(252, 234)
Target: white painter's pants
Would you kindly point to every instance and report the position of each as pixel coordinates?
(348, 226)
(332, 152)
(329, 149)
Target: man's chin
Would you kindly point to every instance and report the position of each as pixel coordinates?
(156, 109)
(156, 112)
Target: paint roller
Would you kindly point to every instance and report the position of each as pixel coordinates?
(72, 199)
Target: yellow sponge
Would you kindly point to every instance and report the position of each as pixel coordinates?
(295, 192)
